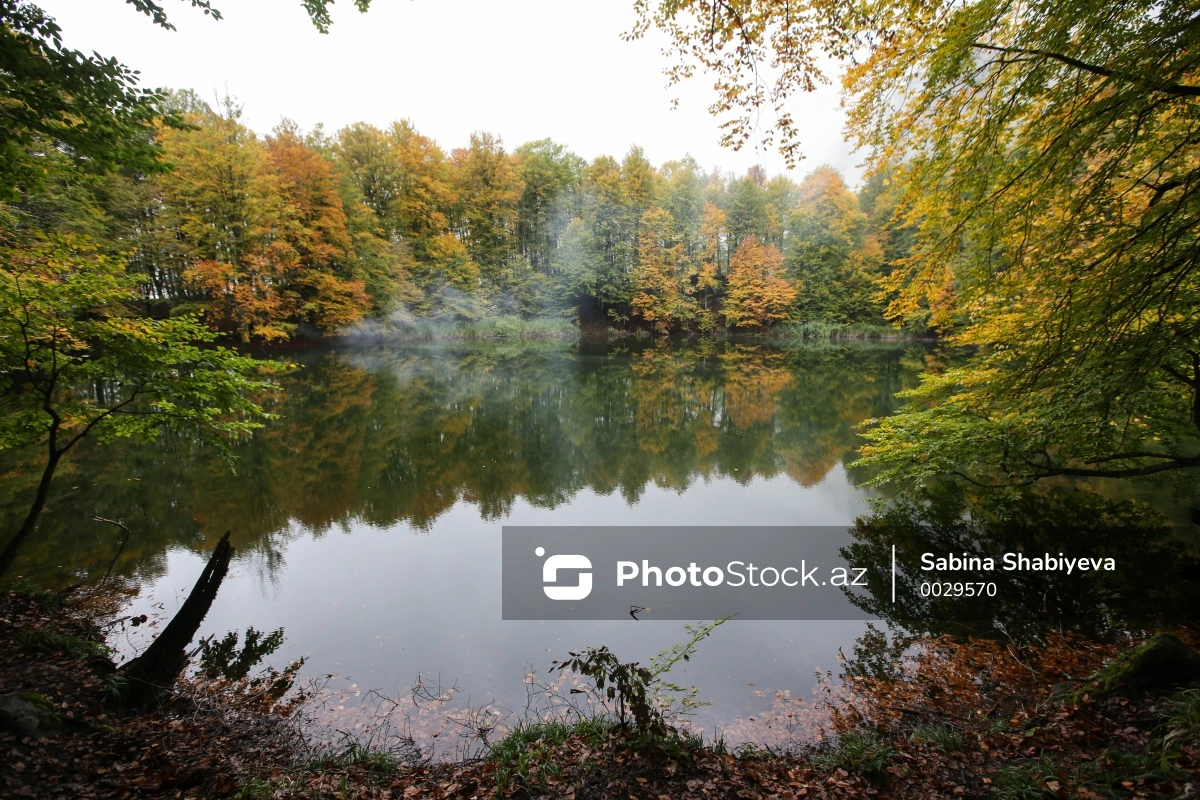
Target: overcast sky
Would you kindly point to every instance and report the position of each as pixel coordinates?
(521, 69)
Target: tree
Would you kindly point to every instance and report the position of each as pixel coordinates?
(488, 190)
(747, 208)
(51, 95)
(75, 362)
(407, 181)
(825, 253)
(367, 156)
(330, 295)
(606, 209)
(550, 175)
(682, 189)
(660, 280)
(714, 248)
(221, 200)
(757, 293)
(1047, 156)
(264, 229)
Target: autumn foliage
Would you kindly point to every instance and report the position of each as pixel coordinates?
(758, 294)
(269, 237)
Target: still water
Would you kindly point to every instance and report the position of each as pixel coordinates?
(367, 516)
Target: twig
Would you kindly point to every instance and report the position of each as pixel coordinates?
(120, 549)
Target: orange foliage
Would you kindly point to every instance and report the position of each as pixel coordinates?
(757, 294)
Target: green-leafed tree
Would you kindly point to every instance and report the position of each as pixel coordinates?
(746, 207)
(75, 361)
(606, 212)
(488, 192)
(550, 176)
(682, 190)
(828, 255)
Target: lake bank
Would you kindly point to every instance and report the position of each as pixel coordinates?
(934, 730)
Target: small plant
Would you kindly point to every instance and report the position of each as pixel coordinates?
(67, 644)
(1112, 767)
(356, 754)
(676, 698)
(527, 756)
(1027, 781)
(643, 700)
(256, 789)
(113, 686)
(939, 736)
(1181, 719)
(625, 684)
(857, 751)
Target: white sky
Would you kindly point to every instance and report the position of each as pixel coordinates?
(521, 69)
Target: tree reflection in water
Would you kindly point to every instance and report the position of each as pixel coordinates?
(401, 435)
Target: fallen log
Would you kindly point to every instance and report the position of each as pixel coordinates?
(153, 672)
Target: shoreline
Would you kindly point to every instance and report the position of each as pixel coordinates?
(1030, 729)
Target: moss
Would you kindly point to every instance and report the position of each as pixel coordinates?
(35, 699)
(1161, 662)
(29, 714)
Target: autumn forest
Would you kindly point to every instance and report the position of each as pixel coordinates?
(267, 236)
(321, 380)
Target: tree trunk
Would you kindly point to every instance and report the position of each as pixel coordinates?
(9, 556)
(155, 670)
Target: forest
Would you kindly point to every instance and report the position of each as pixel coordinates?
(268, 236)
(182, 300)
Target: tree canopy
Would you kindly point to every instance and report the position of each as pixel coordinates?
(1047, 159)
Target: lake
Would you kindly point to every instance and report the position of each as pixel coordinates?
(367, 516)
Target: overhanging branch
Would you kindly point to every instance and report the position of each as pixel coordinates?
(1175, 89)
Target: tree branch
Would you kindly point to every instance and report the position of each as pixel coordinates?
(1175, 89)
(107, 413)
(1172, 462)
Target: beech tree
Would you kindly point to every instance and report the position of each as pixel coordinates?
(758, 294)
(1048, 160)
(825, 254)
(75, 362)
(90, 105)
(488, 189)
(660, 279)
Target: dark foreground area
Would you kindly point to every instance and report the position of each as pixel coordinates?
(1064, 717)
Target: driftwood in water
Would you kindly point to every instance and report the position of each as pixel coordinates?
(155, 670)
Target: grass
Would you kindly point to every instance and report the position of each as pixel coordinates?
(45, 599)
(864, 752)
(1181, 720)
(1026, 781)
(257, 789)
(357, 755)
(50, 641)
(829, 331)
(938, 736)
(528, 755)
(506, 328)
(1106, 772)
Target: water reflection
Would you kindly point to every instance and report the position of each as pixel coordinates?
(368, 514)
(1151, 577)
(399, 437)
